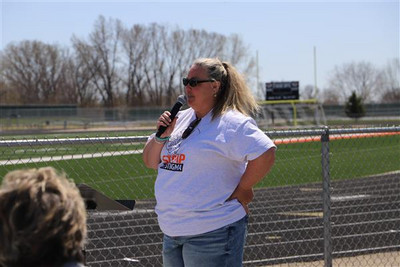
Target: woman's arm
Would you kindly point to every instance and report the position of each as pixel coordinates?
(152, 149)
(256, 170)
(151, 153)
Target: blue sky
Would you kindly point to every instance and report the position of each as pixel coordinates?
(283, 32)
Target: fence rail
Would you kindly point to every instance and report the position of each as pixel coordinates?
(134, 139)
(332, 198)
(70, 117)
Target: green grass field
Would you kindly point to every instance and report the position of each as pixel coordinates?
(125, 177)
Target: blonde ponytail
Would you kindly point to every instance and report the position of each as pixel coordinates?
(234, 92)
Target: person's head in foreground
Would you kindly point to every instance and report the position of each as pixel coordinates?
(42, 219)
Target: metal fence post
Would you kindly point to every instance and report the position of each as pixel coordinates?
(326, 184)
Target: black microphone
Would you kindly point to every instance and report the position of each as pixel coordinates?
(179, 103)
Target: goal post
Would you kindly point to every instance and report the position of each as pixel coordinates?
(291, 113)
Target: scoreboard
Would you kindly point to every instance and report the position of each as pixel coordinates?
(282, 90)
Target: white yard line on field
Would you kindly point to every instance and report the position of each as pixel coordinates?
(69, 157)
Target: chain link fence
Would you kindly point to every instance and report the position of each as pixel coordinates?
(332, 198)
(38, 119)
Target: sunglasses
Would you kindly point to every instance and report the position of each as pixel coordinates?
(193, 82)
(190, 128)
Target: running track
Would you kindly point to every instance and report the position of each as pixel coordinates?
(285, 225)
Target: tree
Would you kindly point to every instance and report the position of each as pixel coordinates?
(391, 82)
(135, 43)
(330, 97)
(158, 57)
(155, 65)
(354, 107)
(391, 96)
(81, 79)
(362, 78)
(141, 65)
(7, 95)
(174, 48)
(100, 56)
(237, 53)
(36, 71)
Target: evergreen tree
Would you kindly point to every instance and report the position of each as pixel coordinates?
(354, 107)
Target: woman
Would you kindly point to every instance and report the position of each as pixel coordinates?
(208, 160)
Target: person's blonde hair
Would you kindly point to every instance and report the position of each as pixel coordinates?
(234, 92)
(42, 219)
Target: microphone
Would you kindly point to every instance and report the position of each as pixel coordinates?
(179, 103)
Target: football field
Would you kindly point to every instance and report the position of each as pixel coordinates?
(286, 222)
(117, 170)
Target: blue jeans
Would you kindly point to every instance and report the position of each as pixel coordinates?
(219, 248)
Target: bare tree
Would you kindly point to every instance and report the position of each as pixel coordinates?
(391, 82)
(81, 80)
(200, 43)
(237, 53)
(174, 49)
(5, 89)
(168, 54)
(36, 71)
(330, 97)
(137, 66)
(154, 67)
(136, 47)
(7, 94)
(100, 57)
(362, 78)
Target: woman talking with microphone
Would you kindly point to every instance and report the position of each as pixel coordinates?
(208, 159)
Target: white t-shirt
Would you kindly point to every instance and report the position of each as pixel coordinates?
(198, 174)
